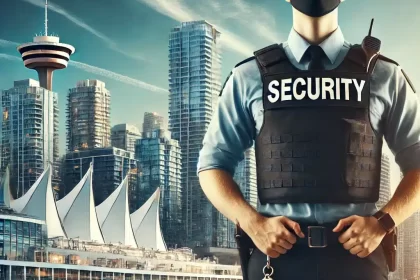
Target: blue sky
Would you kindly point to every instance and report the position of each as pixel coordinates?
(125, 43)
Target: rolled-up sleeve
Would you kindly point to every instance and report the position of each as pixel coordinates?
(402, 125)
(231, 130)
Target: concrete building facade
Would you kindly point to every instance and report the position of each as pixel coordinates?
(151, 122)
(88, 116)
(124, 136)
(385, 187)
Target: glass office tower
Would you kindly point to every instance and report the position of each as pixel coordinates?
(110, 166)
(159, 159)
(20, 236)
(246, 178)
(194, 85)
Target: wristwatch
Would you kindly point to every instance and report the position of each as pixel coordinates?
(385, 220)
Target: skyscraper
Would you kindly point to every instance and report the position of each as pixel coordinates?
(110, 166)
(88, 116)
(151, 122)
(124, 136)
(246, 178)
(385, 187)
(160, 163)
(194, 84)
(29, 133)
(411, 233)
(398, 274)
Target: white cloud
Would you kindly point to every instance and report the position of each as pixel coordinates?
(110, 43)
(101, 72)
(177, 10)
(116, 76)
(10, 57)
(258, 21)
(7, 43)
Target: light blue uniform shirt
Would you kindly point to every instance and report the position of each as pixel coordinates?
(394, 114)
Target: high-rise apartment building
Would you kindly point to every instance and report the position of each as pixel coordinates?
(246, 178)
(151, 122)
(159, 159)
(411, 233)
(398, 274)
(124, 136)
(194, 84)
(29, 133)
(88, 116)
(110, 166)
(385, 187)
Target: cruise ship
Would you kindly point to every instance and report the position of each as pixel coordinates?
(70, 239)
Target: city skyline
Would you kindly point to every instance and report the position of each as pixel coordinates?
(135, 82)
(138, 70)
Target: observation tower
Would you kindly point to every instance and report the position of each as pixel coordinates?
(46, 54)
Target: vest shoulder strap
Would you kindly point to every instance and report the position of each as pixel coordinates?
(387, 59)
(269, 56)
(357, 56)
(244, 61)
(224, 84)
(384, 58)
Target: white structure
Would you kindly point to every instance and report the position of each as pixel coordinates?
(77, 211)
(146, 226)
(5, 189)
(76, 216)
(39, 202)
(114, 217)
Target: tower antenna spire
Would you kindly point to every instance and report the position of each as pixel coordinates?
(46, 18)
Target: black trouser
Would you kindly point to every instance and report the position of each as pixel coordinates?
(330, 263)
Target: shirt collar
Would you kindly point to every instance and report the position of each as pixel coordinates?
(331, 46)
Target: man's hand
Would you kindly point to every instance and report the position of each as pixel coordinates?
(363, 236)
(271, 235)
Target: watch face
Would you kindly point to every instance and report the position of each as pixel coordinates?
(387, 222)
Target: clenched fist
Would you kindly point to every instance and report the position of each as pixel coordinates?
(273, 236)
(364, 235)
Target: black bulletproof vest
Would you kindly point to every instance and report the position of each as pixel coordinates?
(316, 144)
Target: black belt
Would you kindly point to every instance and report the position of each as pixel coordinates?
(319, 236)
(316, 236)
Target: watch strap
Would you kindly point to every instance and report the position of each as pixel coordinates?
(385, 220)
(379, 214)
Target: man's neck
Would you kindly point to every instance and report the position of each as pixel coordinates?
(315, 30)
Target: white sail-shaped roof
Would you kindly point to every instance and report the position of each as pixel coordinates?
(77, 211)
(146, 225)
(39, 202)
(5, 189)
(114, 217)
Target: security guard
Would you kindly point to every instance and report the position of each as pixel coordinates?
(317, 109)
